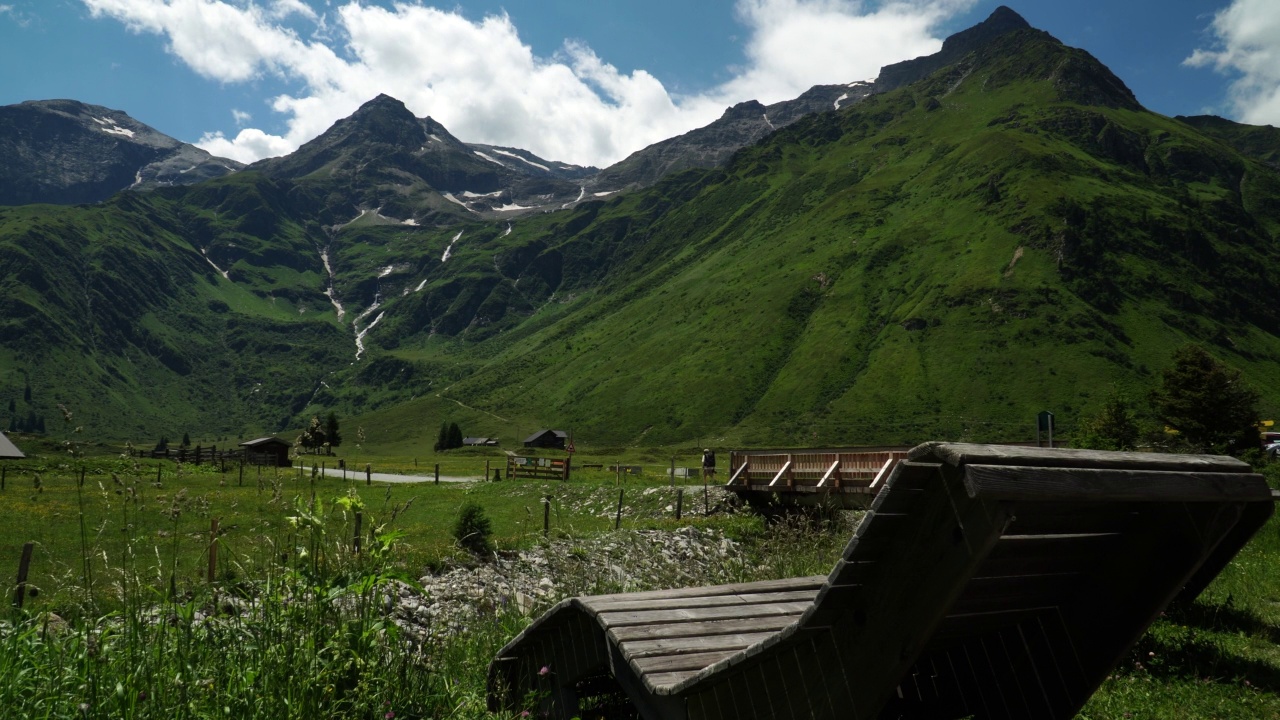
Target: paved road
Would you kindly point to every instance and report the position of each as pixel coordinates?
(354, 474)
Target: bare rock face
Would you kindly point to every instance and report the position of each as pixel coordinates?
(68, 152)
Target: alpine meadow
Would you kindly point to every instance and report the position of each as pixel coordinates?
(979, 235)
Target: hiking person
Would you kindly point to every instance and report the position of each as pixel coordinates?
(708, 464)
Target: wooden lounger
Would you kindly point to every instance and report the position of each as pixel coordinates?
(985, 581)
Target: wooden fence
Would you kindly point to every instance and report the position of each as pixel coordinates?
(540, 468)
(209, 456)
(810, 470)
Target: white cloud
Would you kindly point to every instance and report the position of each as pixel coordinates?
(241, 117)
(483, 83)
(1248, 43)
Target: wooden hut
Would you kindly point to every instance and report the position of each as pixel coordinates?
(547, 439)
(270, 451)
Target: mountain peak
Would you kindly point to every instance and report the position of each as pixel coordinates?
(1001, 21)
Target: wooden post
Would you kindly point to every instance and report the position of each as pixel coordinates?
(24, 567)
(706, 501)
(355, 540)
(213, 550)
(486, 472)
(81, 476)
(673, 470)
(617, 520)
(437, 473)
(568, 462)
(618, 467)
(546, 516)
(241, 483)
(3, 471)
(368, 474)
(679, 502)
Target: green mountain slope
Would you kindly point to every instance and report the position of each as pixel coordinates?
(1009, 234)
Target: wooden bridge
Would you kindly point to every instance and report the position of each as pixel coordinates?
(848, 478)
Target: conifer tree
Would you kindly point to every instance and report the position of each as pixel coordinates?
(1207, 402)
(455, 436)
(442, 440)
(331, 433)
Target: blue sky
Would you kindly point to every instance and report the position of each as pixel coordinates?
(573, 80)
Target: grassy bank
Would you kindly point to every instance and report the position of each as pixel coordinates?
(124, 621)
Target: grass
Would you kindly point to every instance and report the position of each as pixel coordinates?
(125, 623)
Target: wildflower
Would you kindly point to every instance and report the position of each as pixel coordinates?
(544, 671)
(389, 715)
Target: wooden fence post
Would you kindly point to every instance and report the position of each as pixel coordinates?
(81, 476)
(368, 474)
(241, 483)
(437, 473)
(673, 471)
(679, 502)
(213, 550)
(486, 472)
(355, 540)
(706, 501)
(24, 566)
(617, 520)
(546, 515)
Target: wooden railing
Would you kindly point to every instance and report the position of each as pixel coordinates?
(800, 469)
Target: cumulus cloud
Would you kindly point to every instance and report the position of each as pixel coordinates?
(1248, 43)
(486, 85)
(241, 117)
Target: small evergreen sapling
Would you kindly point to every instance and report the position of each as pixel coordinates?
(473, 529)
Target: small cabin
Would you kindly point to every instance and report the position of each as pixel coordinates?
(547, 439)
(270, 451)
(480, 441)
(9, 451)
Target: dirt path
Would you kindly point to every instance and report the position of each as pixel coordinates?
(358, 474)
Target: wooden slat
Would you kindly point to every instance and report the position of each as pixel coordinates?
(649, 617)
(698, 629)
(676, 663)
(624, 603)
(701, 643)
(669, 678)
(787, 584)
(1037, 518)
(1076, 484)
(958, 454)
(1010, 593)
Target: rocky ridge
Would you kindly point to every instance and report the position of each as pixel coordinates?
(69, 152)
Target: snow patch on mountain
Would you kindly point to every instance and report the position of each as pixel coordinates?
(544, 168)
(841, 99)
(468, 193)
(111, 128)
(582, 192)
(490, 159)
(449, 250)
(606, 193)
(452, 199)
(512, 207)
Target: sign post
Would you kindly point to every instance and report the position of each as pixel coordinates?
(1044, 424)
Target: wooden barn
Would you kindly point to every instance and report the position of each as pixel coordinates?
(480, 442)
(270, 451)
(547, 439)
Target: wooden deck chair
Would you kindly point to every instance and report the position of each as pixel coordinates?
(985, 581)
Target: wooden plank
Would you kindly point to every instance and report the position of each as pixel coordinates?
(1017, 592)
(625, 604)
(781, 474)
(699, 629)
(693, 644)
(650, 617)
(1078, 484)
(834, 470)
(1057, 518)
(958, 454)
(785, 585)
(675, 663)
(669, 678)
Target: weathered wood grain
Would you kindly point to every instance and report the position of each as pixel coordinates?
(1041, 484)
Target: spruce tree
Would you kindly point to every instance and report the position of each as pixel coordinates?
(442, 440)
(1207, 402)
(455, 436)
(331, 433)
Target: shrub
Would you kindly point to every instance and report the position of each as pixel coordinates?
(473, 529)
